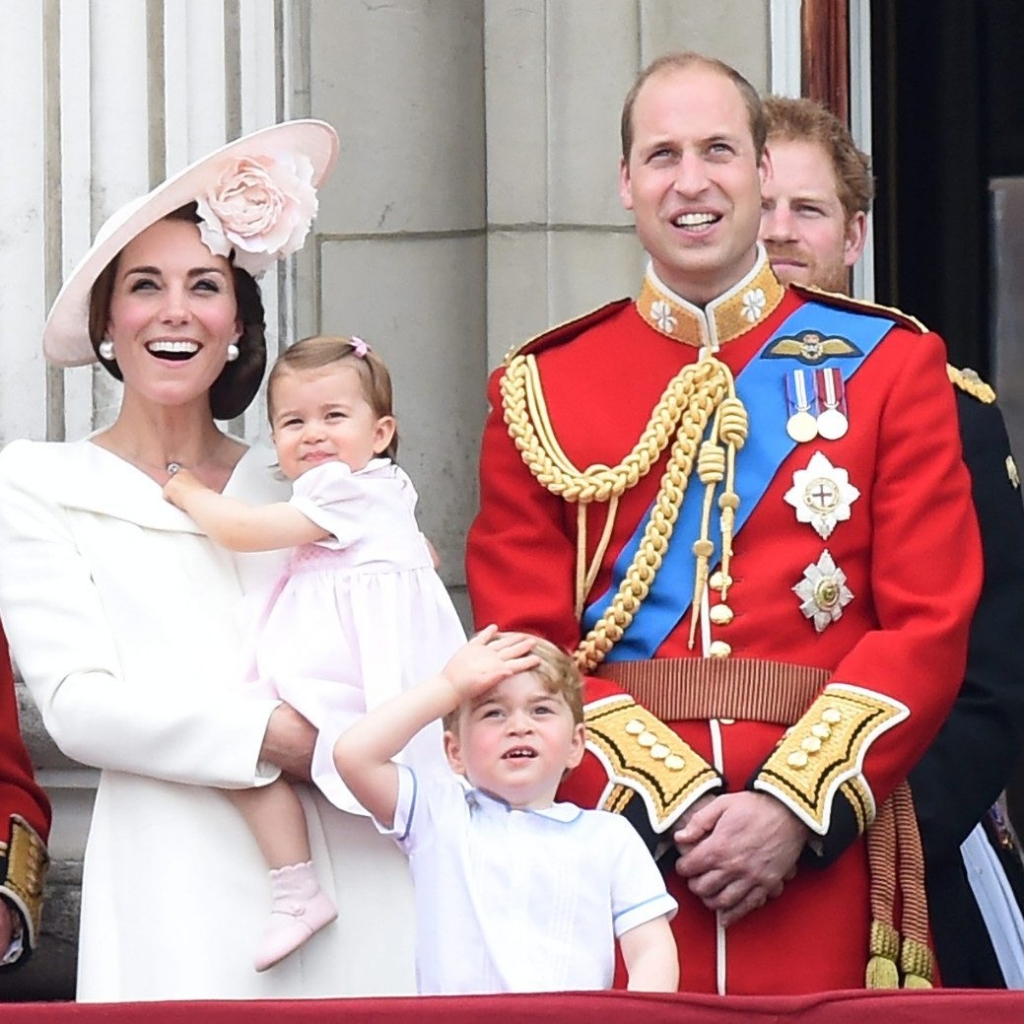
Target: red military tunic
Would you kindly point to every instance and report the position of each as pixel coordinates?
(891, 657)
(24, 815)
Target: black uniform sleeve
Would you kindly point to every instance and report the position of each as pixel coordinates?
(969, 762)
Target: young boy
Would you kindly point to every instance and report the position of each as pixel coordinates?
(514, 893)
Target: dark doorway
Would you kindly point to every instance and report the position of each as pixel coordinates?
(948, 112)
(948, 121)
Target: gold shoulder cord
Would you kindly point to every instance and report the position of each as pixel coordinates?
(700, 393)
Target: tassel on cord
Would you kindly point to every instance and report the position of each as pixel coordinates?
(885, 945)
(916, 961)
(710, 472)
(884, 941)
(734, 427)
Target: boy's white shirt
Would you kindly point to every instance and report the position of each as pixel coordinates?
(519, 900)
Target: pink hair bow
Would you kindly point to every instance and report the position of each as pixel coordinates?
(359, 347)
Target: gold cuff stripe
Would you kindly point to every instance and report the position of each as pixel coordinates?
(23, 863)
(616, 798)
(825, 748)
(645, 755)
(860, 800)
(685, 689)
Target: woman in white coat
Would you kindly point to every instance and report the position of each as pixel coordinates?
(122, 614)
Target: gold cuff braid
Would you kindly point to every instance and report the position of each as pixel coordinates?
(825, 749)
(644, 755)
(23, 863)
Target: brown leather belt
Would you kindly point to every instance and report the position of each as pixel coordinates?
(678, 689)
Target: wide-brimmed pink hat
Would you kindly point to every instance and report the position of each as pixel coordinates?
(255, 196)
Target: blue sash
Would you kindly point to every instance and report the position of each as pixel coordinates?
(761, 388)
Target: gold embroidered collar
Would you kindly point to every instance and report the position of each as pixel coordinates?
(723, 319)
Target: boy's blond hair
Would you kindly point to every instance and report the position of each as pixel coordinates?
(557, 671)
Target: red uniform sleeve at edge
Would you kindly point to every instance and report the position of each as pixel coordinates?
(19, 792)
(520, 560)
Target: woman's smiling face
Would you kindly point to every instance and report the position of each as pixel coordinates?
(173, 313)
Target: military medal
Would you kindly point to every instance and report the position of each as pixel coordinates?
(822, 495)
(831, 396)
(801, 424)
(823, 592)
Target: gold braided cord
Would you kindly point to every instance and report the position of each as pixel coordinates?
(733, 428)
(636, 583)
(602, 546)
(581, 560)
(530, 428)
(638, 579)
(715, 464)
(701, 393)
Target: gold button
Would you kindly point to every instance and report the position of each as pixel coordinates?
(635, 727)
(659, 751)
(812, 744)
(719, 580)
(674, 763)
(826, 594)
(719, 649)
(721, 615)
(798, 759)
(832, 716)
(647, 739)
(821, 730)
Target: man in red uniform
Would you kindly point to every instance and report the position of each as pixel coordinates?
(813, 225)
(24, 826)
(744, 507)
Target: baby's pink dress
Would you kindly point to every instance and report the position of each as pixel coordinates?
(355, 618)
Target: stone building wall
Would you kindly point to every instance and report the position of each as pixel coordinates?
(474, 204)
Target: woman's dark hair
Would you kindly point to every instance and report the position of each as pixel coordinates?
(236, 387)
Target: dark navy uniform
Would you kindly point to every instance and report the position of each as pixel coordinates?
(963, 772)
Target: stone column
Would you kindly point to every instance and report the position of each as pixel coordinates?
(401, 242)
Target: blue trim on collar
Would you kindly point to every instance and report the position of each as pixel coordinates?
(564, 813)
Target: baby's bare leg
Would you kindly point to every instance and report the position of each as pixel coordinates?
(274, 816)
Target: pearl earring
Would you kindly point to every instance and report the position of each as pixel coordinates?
(106, 350)
(232, 352)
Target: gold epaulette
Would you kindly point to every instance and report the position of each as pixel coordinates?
(860, 305)
(23, 863)
(565, 331)
(642, 754)
(967, 380)
(824, 752)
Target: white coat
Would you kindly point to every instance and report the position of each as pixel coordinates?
(122, 619)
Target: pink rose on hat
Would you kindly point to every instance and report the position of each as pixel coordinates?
(261, 206)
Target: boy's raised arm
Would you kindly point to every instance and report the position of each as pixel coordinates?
(363, 753)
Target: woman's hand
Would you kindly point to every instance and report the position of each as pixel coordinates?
(288, 742)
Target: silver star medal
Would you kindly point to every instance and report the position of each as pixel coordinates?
(822, 495)
(823, 592)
